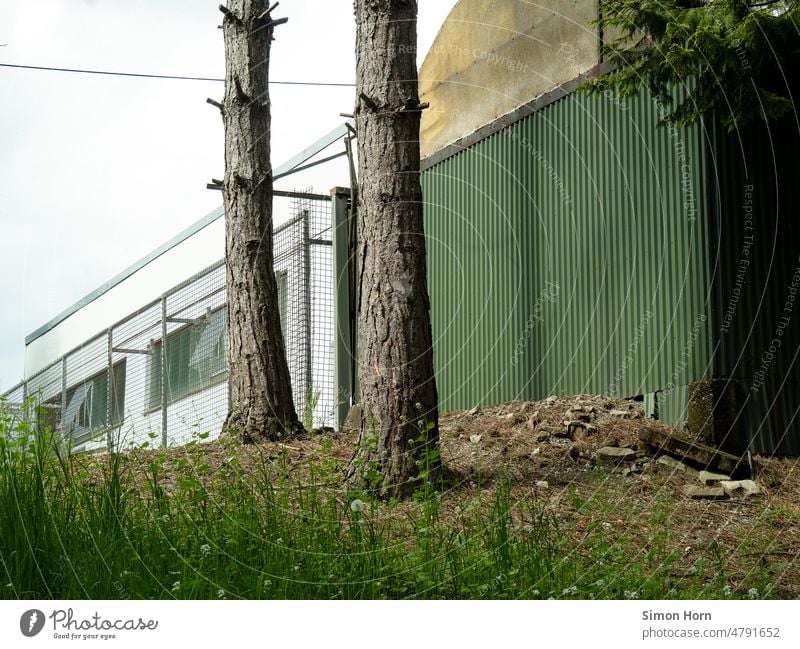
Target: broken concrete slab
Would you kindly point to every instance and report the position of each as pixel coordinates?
(711, 478)
(705, 457)
(632, 469)
(553, 431)
(740, 488)
(614, 455)
(572, 426)
(675, 464)
(699, 492)
(578, 415)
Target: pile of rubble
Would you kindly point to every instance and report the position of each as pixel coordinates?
(564, 433)
(719, 474)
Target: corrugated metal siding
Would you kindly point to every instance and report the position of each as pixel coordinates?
(753, 277)
(584, 195)
(673, 406)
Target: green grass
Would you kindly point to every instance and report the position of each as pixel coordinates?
(77, 530)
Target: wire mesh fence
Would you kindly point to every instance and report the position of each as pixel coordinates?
(160, 376)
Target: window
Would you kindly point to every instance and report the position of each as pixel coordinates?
(86, 408)
(196, 359)
(197, 353)
(48, 414)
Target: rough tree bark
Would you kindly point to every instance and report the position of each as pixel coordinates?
(261, 405)
(399, 430)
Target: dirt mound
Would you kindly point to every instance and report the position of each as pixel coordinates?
(580, 457)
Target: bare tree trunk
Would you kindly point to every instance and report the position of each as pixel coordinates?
(260, 387)
(399, 431)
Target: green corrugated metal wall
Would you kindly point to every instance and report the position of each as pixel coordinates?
(755, 254)
(566, 255)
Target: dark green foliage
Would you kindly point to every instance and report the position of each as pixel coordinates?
(736, 58)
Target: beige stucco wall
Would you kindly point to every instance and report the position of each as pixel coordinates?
(492, 56)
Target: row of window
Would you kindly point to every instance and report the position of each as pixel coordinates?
(196, 360)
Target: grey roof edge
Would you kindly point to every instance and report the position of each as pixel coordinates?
(284, 170)
(128, 272)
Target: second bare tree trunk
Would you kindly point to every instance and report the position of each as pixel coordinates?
(261, 405)
(399, 433)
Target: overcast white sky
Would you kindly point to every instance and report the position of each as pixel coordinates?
(97, 171)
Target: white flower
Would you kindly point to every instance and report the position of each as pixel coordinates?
(727, 591)
(753, 593)
(176, 587)
(358, 505)
(278, 541)
(631, 594)
(475, 439)
(220, 594)
(165, 518)
(205, 549)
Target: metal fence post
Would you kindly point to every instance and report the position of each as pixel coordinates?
(109, 392)
(25, 411)
(342, 311)
(164, 370)
(63, 398)
(307, 391)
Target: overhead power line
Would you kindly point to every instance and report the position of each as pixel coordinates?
(165, 76)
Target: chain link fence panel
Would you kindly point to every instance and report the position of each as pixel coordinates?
(159, 377)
